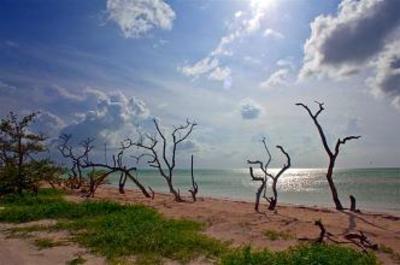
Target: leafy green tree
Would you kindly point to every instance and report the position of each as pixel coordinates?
(19, 170)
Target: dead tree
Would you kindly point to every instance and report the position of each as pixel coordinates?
(159, 158)
(332, 154)
(76, 158)
(195, 188)
(117, 166)
(264, 178)
(274, 199)
(262, 189)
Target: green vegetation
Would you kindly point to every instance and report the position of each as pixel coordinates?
(43, 243)
(277, 235)
(114, 230)
(317, 254)
(76, 261)
(119, 232)
(19, 171)
(393, 254)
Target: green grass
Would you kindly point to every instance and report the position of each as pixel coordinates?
(76, 261)
(119, 232)
(301, 255)
(42, 243)
(114, 230)
(277, 235)
(393, 254)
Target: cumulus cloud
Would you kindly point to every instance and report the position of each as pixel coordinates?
(270, 33)
(281, 76)
(114, 118)
(276, 79)
(387, 79)
(249, 109)
(137, 17)
(342, 43)
(48, 123)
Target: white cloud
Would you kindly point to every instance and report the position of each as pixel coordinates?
(137, 17)
(341, 44)
(114, 118)
(220, 74)
(201, 67)
(48, 123)
(276, 79)
(244, 24)
(249, 109)
(270, 33)
(387, 79)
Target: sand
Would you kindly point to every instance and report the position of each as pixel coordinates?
(238, 223)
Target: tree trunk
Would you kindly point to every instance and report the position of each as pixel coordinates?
(174, 192)
(274, 199)
(122, 181)
(139, 185)
(353, 207)
(335, 196)
(258, 195)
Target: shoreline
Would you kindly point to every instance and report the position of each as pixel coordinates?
(369, 211)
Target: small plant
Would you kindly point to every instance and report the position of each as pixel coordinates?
(393, 254)
(277, 235)
(76, 261)
(42, 243)
(320, 254)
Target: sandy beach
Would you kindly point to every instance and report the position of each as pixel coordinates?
(238, 223)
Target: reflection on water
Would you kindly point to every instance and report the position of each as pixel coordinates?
(373, 188)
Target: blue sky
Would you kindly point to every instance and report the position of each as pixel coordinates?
(106, 68)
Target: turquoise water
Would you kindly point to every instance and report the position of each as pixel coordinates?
(374, 188)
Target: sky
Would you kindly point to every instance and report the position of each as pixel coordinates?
(107, 68)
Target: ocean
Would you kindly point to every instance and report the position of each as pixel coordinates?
(376, 189)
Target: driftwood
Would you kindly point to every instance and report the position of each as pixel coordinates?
(360, 240)
(332, 154)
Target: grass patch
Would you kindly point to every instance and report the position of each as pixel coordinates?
(300, 255)
(42, 243)
(393, 254)
(26, 231)
(76, 261)
(114, 230)
(277, 235)
(120, 232)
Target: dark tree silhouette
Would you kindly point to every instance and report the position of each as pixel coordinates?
(117, 166)
(195, 188)
(332, 154)
(263, 179)
(76, 158)
(159, 158)
(262, 189)
(274, 199)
